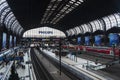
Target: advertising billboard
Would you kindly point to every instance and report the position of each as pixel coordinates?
(79, 40)
(87, 40)
(113, 39)
(98, 40)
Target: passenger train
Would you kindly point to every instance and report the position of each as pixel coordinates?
(95, 49)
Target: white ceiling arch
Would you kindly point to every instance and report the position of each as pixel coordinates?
(44, 32)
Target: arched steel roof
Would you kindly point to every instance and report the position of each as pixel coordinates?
(103, 24)
(8, 19)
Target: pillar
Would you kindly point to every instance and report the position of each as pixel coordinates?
(1, 37)
(17, 41)
(13, 41)
(8, 40)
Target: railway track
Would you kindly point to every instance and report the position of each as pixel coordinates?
(65, 69)
(40, 72)
(72, 71)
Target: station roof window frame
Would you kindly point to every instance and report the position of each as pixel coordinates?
(7, 17)
(14, 22)
(110, 22)
(12, 19)
(4, 14)
(85, 28)
(59, 12)
(3, 5)
(78, 30)
(103, 24)
(117, 16)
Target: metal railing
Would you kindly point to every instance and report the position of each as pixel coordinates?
(7, 73)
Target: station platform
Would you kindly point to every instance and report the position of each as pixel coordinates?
(54, 72)
(93, 58)
(79, 66)
(23, 73)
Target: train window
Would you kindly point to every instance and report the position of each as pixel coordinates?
(4, 41)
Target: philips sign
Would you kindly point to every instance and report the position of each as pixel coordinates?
(45, 32)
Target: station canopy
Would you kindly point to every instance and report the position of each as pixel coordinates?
(44, 32)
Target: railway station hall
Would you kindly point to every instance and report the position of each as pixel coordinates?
(59, 39)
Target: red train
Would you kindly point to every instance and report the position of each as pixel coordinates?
(96, 49)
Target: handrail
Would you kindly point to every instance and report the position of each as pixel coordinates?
(8, 51)
(4, 77)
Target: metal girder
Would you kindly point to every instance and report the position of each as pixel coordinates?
(7, 17)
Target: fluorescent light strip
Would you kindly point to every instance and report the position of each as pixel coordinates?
(51, 9)
(71, 5)
(68, 10)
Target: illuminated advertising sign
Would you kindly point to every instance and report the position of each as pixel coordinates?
(98, 40)
(79, 40)
(87, 40)
(113, 38)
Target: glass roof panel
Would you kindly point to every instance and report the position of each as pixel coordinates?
(107, 23)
